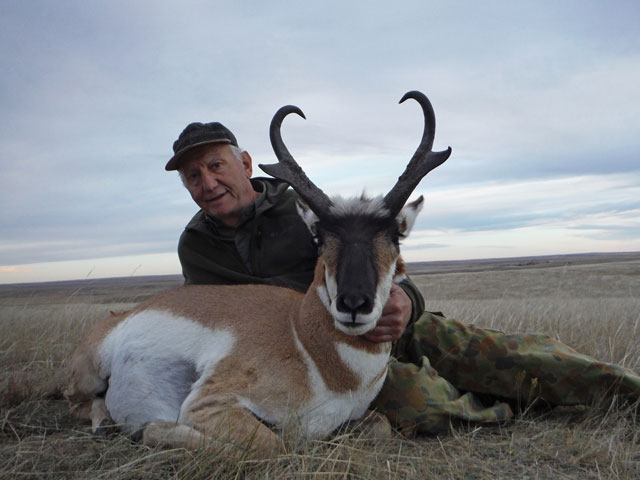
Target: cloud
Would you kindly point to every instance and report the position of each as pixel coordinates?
(528, 202)
(545, 216)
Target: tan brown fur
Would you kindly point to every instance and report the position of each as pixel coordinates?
(401, 268)
(385, 253)
(329, 257)
(262, 346)
(234, 432)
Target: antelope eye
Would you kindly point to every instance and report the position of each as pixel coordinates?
(318, 237)
(395, 236)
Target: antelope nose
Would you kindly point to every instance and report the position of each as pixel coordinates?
(354, 303)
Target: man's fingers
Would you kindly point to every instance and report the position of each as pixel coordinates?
(378, 338)
(395, 316)
(384, 332)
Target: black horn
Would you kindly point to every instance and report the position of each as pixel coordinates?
(287, 168)
(423, 161)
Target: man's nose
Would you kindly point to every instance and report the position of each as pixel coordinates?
(209, 180)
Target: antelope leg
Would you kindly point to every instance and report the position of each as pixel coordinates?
(235, 431)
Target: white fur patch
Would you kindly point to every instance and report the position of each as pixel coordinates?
(332, 286)
(152, 359)
(324, 297)
(327, 409)
(358, 206)
(366, 365)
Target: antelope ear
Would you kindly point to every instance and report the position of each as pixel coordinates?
(308, 217)
(407, 216)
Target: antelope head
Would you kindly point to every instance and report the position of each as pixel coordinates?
(358, 238)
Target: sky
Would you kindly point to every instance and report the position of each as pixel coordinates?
(538, 100)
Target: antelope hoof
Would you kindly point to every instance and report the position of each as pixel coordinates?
(372, 425)
(101, 423)
(104, 429)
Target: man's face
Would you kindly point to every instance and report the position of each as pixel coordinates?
(218, 181)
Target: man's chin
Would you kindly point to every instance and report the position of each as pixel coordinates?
(224, 215)
(215, 208)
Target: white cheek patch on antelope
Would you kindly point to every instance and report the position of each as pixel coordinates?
(386, 254)
(329, 291)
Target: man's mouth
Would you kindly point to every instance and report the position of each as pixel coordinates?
(215, 198)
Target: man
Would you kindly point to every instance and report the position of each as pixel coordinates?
(248, 231)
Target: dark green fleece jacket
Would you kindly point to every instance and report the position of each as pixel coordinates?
(271, 245)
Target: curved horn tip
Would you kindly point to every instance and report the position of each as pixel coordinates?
(415, 94)
(287, 109)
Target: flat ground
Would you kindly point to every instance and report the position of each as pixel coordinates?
(591, 302)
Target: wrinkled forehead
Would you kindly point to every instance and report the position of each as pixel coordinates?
(204, 154)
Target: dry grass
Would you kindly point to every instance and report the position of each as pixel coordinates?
(592, 307)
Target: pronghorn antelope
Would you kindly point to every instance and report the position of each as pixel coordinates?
(200, 364)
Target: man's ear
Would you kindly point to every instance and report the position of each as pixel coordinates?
(247, 163)
(407, 216)
(308, 217)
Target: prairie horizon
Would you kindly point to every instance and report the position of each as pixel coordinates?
(426, 267)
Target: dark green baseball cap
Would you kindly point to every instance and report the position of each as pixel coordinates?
(196, 134)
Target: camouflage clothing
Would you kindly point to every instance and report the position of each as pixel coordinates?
(447, 358)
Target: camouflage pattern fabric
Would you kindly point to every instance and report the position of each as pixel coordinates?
(445, 368)
(417, 400)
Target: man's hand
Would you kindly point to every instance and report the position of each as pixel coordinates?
(395, 316)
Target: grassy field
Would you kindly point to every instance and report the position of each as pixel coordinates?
(591, 303)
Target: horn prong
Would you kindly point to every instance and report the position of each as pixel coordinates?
(424, 159)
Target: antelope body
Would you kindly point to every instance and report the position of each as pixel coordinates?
(224, 363)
